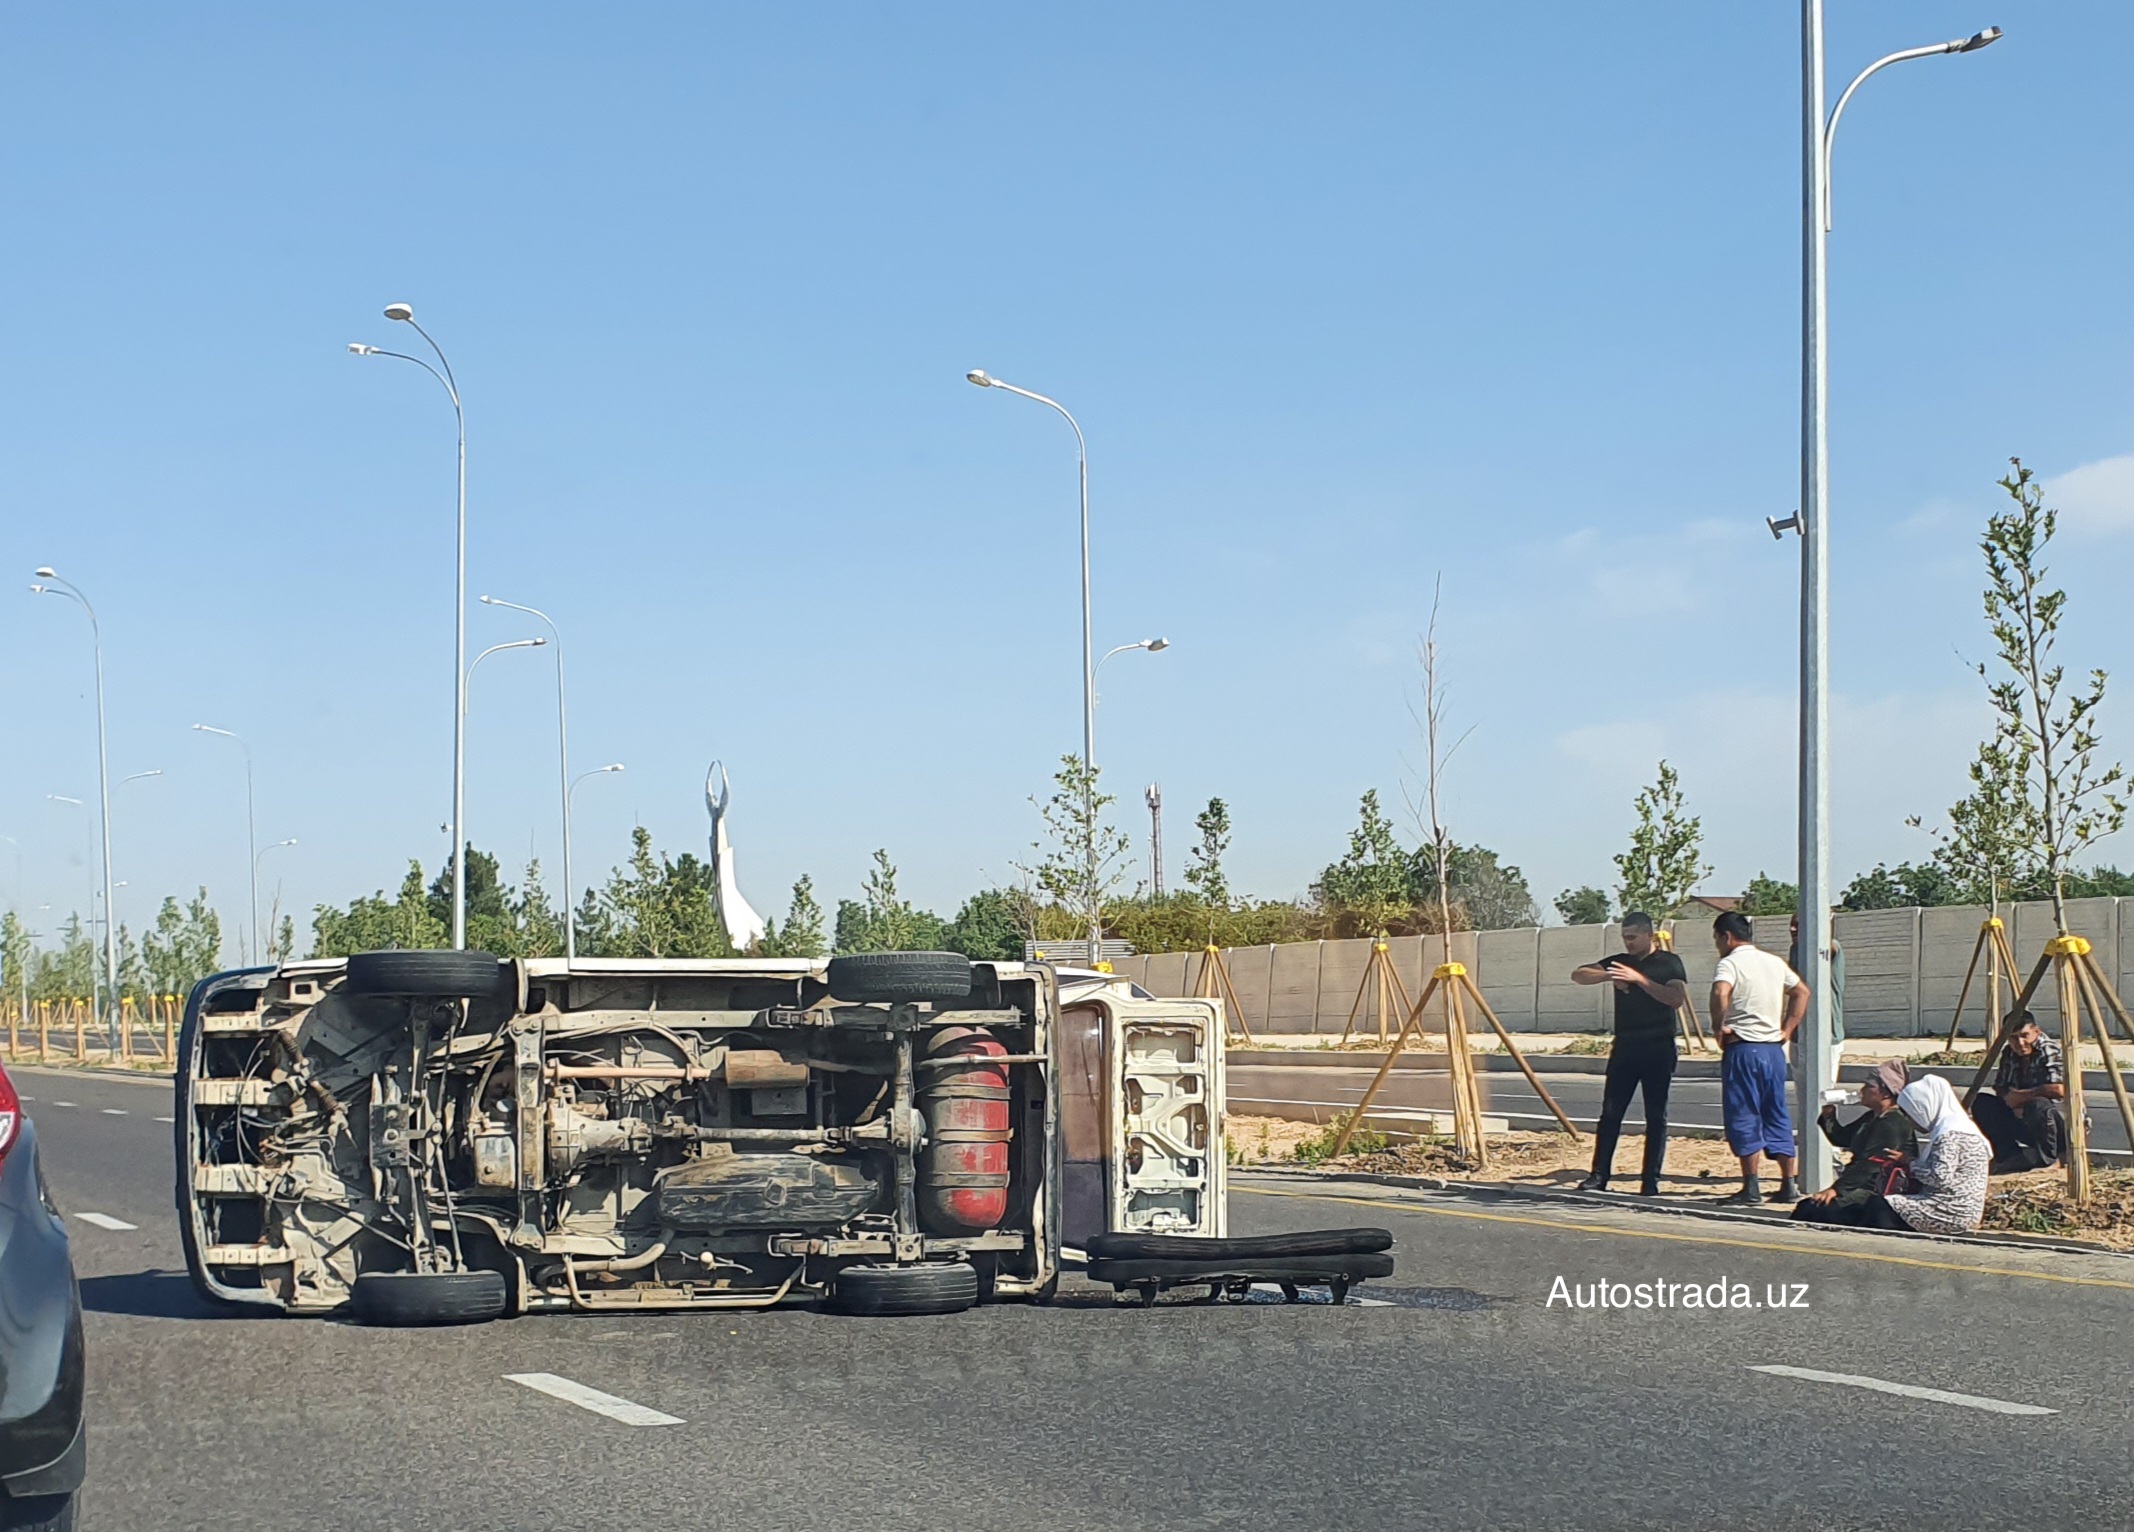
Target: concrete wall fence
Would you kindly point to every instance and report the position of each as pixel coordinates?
(1903, 969)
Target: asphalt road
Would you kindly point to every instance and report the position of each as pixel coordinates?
(1467, 1400)
(1282, 1090)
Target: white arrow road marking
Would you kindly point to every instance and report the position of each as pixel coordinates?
(1937, 1395)
(106, 1221)
(591, 1399)
(114, 1111)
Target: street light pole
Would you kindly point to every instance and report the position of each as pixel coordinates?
(1089, 669)
(404, 314)
(55, 586)
(563, 772)
(1818, 135)
(254, 942)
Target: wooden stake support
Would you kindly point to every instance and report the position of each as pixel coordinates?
(1214, 984)
(1459, 989)
(1692, 1029)
(2081, 984)
(1992, 945)
(1381, 981)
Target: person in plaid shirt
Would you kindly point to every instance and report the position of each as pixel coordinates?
(2026, 1116)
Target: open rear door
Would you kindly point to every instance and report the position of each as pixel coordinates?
(1166, 1115)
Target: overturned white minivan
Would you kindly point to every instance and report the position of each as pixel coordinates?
(437, 1137)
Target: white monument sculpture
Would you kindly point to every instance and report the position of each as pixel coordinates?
(744, 927)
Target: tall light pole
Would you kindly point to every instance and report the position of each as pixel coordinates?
(53, 585)
(1818, 134)
(253, 943)
(403, 314)
(979, 376)
(563, 770)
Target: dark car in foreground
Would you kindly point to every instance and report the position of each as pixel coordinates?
(43, 1446)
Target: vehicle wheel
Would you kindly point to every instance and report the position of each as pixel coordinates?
(431, 975)
(46, 1513)
(884, 1290)
(429, 1297)
(895, 976)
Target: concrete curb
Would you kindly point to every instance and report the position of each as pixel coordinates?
(1502, 1191)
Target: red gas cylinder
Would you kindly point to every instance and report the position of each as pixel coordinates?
(963, 1170)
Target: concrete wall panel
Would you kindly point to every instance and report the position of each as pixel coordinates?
(1293, 988)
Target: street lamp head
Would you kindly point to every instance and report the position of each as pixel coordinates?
(1978, 40)
(977, 375)
(1156, 645)
(357, 348)
(400, 311)
(47, 573)
(39, 590)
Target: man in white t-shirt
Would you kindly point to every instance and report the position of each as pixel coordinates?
(1757, 1003)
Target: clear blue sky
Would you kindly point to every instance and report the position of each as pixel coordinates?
(1343, 298)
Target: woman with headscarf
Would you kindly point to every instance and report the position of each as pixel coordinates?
(1947, 1181)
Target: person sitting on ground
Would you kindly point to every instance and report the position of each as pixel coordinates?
(1879, 1139)
(1651, 985)
(1946, 1184)
(1757, 1004)
(2025, 1119)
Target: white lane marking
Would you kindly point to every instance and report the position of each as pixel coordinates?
(591, 1399)
(1909, 1391)
(106, 1221)
(114, 1111)
(62, 1103)
(166, 1119)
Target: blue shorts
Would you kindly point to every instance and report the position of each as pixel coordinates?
(1752, 1094)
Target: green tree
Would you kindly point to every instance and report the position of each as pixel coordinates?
(1583, 906)
(486, 895)
(1483, 892)
(1990, 845)
(1906, 886)
(16, 956)
(183, 947)
(990, 926)
(882, 920)
(1770, 896)
(374, 923)
(655, 907)
(1204, 872)
(1082, 859)
(2049, 734)
(800, 934)
(1373, 884)
(70, 973)
(1665, 860)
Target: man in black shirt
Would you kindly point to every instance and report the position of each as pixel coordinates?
(1651, 985)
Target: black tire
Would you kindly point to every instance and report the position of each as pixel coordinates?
(428, 975)
(896, 976)
(45, 1513)
(885, 1290)
(1259, 1247)
(404, 1298)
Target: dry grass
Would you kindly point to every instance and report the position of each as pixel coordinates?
(1541, 1159)
(2036, 1203)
